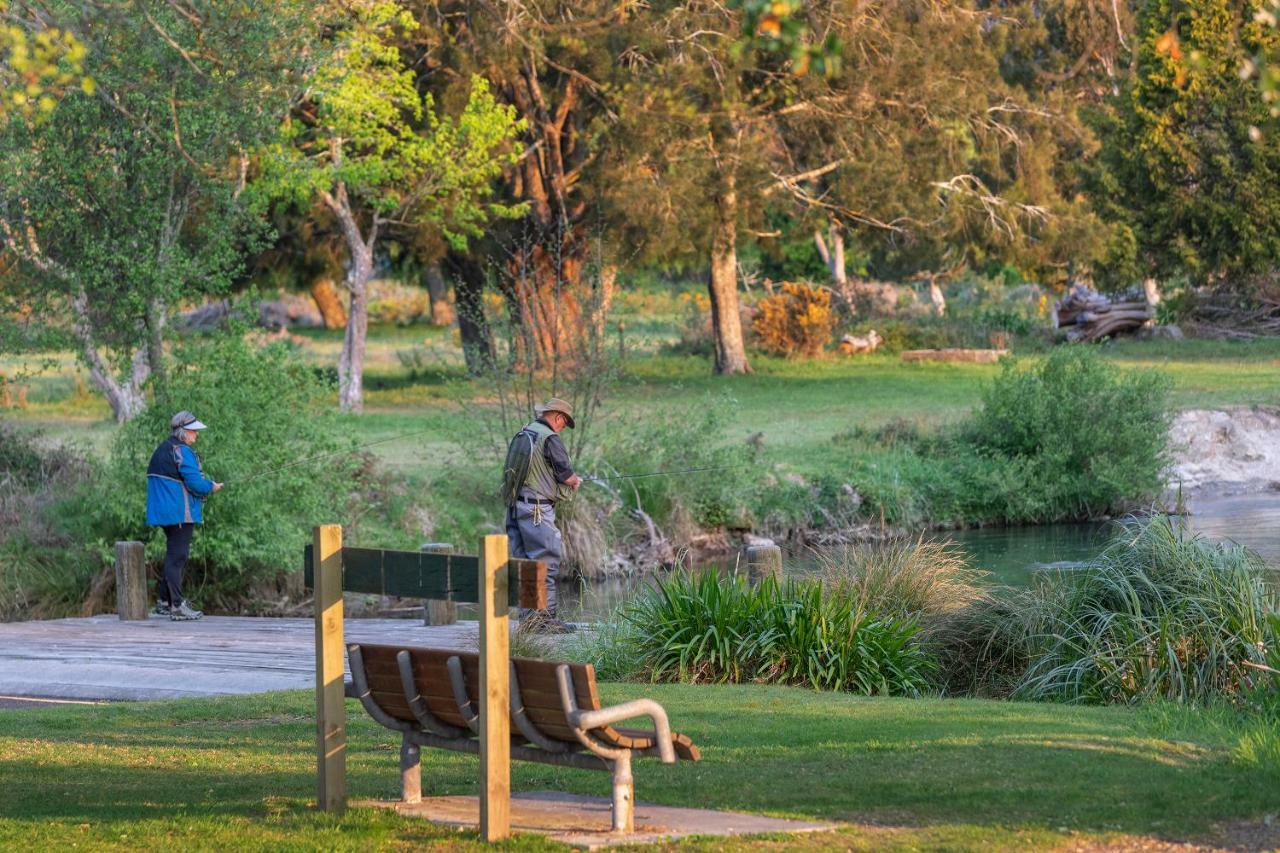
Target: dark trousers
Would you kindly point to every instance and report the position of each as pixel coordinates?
(177, 547)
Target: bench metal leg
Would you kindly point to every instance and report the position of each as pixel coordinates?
(410, 772)
(624, 794)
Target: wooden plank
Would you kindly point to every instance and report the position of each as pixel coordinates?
(331, 730)
(495, 692)
(440, 611)
(415, 574)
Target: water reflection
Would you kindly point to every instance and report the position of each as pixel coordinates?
(1013, 555)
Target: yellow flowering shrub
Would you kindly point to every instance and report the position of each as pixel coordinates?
(797, 322)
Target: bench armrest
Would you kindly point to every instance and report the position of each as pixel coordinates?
(583, 721)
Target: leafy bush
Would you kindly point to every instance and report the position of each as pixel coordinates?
(1095, 435)
(1070, 437)
(266, 413)
(701, 627)
(796, 322)
(44, 571)
(1160, 614)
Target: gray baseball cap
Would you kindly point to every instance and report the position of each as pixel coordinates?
(185, 420)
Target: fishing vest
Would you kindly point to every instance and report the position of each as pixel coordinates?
(527, 469)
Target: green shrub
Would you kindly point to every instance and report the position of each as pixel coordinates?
(1068, 437)
(1160, 614)
(1094, 435)
(266, 412)
(701, 627)
(45, 571)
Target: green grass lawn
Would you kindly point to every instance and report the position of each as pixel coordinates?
(798, 405)
(238, 773)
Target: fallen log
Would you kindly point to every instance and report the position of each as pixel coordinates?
(968, 356)
(1091, 316)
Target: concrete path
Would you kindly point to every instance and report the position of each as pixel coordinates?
(584, 821)
(101, 657)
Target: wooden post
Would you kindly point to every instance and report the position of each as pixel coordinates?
(331, 712)
(495, 691)
(437, 612)
(764, 561)
(131, 581)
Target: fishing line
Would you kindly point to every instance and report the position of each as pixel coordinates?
(347, 451)
(327, 455)
(662, 473)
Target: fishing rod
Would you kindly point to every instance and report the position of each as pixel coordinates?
(596, 479)
(318, 457)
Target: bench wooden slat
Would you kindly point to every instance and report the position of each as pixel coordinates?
(539, 693)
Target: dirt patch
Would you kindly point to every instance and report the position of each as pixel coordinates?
(1235, 449)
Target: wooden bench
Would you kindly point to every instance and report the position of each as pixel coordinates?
(431, 696)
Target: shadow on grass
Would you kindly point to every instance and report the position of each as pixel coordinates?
(788, 752)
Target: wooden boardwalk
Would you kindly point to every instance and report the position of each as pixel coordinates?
(101, 657)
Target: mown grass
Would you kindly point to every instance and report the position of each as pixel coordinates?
(237, 773)
(798, 405)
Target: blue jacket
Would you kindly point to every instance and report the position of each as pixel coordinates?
(176, 485)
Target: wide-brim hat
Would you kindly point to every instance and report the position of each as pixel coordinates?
(555, 404)
(185, 420)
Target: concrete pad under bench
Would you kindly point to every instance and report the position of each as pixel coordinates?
(584, 821)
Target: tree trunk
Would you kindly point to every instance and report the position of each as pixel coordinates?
(935, 296)
(328, 303)
(441, 311)
(468, 288)
(124, 397)
(726, 321)
(156, 318)
(351, 361)
(545, 288)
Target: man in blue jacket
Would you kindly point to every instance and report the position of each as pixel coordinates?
(176, 491)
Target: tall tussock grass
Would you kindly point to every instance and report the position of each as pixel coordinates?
(926, 578)
(1161, 613)
(701, 627)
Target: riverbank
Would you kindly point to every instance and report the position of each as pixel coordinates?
(793, 420)
(903, 774)
(1223, 452)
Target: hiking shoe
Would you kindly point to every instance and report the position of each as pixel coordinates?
(162, 608)
(541, 623)
(184, 613)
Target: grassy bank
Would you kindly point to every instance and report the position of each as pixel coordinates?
(798, 405)
(237, 773)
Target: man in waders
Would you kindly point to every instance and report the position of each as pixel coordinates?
(537, 475)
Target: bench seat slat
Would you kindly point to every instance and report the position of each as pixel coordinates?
(539, 693)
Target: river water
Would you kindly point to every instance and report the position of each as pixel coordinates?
(1013, 555)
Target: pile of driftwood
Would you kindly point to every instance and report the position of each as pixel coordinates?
(1091, 316)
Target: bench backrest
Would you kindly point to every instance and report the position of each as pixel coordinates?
(539, 691)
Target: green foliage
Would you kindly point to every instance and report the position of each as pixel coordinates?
(1187, 169)
(44, 571)
(1095, 434)
(1160, 614)
(1069, 436)
(119, 203)
(265, 414)
(702, 627)
(368, 132)
(656, 442)
(40, 63)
